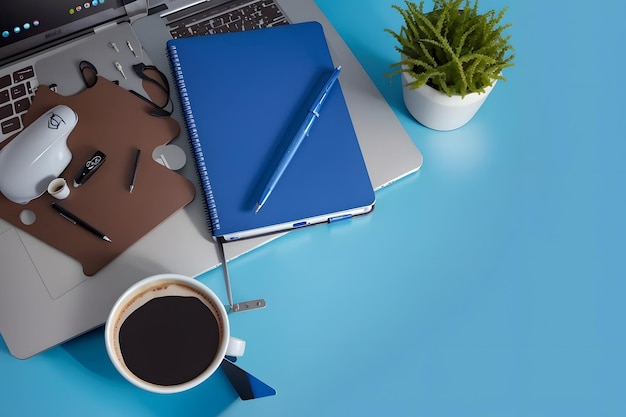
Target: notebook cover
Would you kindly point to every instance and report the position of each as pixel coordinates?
(244, 95)
(111, 120)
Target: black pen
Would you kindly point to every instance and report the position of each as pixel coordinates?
(132, 180)
(77, 220)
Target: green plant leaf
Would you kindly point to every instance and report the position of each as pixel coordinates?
(452, 47)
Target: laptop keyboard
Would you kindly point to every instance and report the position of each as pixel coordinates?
(244, 15)
(16, 93)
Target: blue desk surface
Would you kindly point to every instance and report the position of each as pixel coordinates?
(491, 283)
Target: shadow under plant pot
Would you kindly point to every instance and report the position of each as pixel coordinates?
(437, 110)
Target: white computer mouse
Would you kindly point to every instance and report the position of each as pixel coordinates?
(37, 155)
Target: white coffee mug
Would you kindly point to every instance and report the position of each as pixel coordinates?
(58, 188)
(168, 333)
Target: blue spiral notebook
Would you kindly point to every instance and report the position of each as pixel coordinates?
(244, 95)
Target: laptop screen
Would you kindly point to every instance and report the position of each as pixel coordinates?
(29, 24)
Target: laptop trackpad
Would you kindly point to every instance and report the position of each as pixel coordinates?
(28, 255)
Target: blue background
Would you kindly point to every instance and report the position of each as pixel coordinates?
(491, 283)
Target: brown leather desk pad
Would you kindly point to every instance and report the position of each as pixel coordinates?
(114, 121)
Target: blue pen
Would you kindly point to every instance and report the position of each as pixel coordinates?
(303, 131)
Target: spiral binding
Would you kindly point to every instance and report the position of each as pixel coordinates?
(210, 208)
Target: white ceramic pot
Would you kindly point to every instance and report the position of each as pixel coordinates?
(438, 111)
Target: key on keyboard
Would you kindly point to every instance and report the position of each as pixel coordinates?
(16, 93)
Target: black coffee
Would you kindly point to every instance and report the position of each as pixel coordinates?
(169, 340)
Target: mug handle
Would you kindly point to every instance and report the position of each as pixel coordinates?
(236, 347)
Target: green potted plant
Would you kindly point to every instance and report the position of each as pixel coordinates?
(450, 59)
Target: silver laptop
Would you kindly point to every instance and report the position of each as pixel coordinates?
(45, 299)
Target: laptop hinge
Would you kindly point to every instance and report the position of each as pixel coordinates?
(136, 9)
(105, 27)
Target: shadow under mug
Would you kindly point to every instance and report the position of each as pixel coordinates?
(168, 333)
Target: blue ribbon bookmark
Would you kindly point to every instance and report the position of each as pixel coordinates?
(247, 386)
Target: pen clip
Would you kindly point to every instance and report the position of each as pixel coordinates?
(323, 95)
(68, 218)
